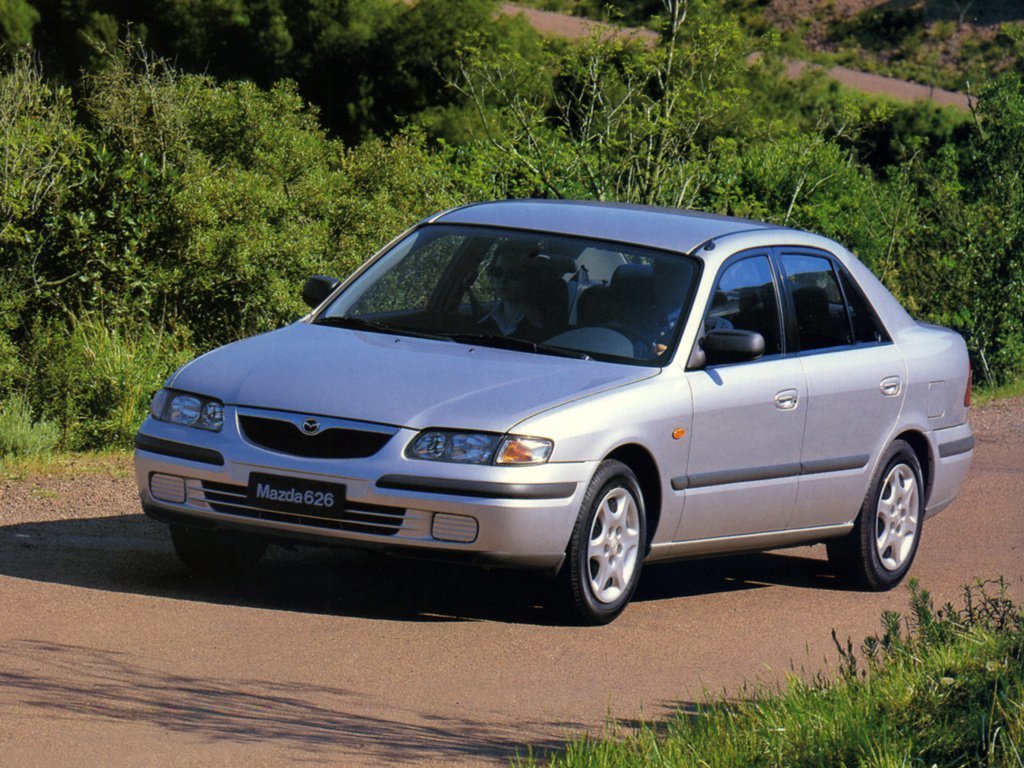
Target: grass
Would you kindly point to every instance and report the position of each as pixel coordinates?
(112, 463)
(936, 688)
(1013, 388)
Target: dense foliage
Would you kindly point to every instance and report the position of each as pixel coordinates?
(368, 65)
(163, 214)
(930, 42)
(147, 213)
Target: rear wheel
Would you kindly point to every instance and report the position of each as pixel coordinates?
(213, 553)
(606, 550)
(879, 551)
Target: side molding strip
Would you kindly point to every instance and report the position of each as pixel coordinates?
(816, 467)
(839, 464)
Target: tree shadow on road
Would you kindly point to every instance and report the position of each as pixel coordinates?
(132, 554)
(314, 721)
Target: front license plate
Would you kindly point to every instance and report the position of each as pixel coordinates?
(289, 494)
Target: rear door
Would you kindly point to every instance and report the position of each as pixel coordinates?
(855, 377)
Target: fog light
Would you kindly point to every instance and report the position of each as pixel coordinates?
(167, 488)
(460, 528)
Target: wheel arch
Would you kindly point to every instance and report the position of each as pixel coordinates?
(919, 444)
(640, 460)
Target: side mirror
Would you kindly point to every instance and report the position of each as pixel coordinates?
(732, 346)
(318, 288)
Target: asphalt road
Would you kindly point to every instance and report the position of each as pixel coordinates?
(111, 655)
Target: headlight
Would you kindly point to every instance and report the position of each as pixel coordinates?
(188, 410)
(479, 448)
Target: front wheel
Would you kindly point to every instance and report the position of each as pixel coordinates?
(878, 552)
(606, 551)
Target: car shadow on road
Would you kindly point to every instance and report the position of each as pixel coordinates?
(133, 554)
(804, 568)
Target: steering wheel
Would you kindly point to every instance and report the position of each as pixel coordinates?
(634, 334)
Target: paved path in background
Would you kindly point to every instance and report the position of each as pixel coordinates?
(575, 28)
(904, 90)
(112, 655)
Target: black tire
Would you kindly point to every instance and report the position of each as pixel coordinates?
(613, 490)
(217, 553)
(876, 555)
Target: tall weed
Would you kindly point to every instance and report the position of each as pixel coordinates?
(96, 381)
(20, 434)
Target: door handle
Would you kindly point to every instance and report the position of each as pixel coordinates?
(890, 386)
(787, 399)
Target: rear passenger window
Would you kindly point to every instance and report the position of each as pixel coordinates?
(821, 318)
(866, 328)
(745, 299)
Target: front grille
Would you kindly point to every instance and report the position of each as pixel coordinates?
(356, 518)
(332, 443)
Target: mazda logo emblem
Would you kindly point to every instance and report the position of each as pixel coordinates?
(311, 426)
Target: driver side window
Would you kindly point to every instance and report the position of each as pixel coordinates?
(745, 299)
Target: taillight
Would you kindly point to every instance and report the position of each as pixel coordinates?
(970, 385)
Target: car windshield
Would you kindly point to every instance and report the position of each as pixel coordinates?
(536, 292)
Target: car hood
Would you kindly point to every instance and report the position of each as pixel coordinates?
(399, 380)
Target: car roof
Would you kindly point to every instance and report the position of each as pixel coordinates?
(666, 228)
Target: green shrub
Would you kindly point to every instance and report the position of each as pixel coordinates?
(41, 150)
(205, 205)
(883, 28)
(387, 186)
(20, 434)
(961, 264)
(17, 17)
(10, 366)
(97, 381)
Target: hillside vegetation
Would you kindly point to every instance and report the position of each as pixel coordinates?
(952, 44)
(151, 209)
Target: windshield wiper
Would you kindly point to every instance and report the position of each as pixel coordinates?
(511, 342)
(362, 324)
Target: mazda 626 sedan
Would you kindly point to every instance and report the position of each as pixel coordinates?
(574, 387)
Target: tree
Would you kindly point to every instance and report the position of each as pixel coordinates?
(620, 120)
(963, 266)
(369, 65)
(17, 18)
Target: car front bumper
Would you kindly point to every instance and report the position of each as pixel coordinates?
(510, 516)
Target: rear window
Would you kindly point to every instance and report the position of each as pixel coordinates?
(821, 316)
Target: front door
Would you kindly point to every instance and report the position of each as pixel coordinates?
(748, 418)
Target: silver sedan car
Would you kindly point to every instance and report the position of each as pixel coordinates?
(574, 387)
